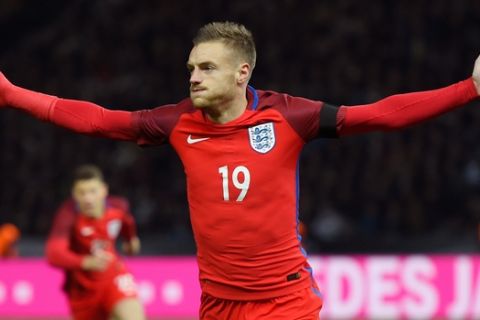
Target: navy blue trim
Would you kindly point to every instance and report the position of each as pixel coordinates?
(255, 97)
(309, 269)
(297, 207)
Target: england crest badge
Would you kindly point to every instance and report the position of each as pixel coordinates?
(113, 228)
(262, 137)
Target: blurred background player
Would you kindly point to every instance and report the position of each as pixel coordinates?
(82, 242)
(9, 235)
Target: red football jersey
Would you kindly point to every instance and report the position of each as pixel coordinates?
(242, 184)
(74, 235)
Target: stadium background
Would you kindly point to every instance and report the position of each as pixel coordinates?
(410, 191)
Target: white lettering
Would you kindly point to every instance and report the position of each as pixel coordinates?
(422, 301)
(345, 276)
(381, 286)
(3, 293)
(476, 294)
(462, 275)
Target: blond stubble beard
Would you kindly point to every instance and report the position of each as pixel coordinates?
(213, 102)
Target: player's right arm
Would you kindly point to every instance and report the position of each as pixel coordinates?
(79, 116)
(58, 250)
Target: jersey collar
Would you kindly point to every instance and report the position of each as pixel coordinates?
(252, 97)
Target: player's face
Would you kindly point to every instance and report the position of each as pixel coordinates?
(214, 71)
(89, 196)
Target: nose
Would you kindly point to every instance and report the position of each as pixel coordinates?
(195, 77)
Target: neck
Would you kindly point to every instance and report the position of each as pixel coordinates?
(98, 212)
(228, 110)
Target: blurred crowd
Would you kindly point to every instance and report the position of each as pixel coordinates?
(417, 189)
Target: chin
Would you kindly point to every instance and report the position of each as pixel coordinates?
(200, 103)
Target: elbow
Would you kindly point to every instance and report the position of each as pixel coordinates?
(51, 256)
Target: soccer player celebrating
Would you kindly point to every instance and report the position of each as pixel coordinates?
(240, 148)
(82, 242)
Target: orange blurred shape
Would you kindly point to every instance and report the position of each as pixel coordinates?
(9, 233)
(302, 229)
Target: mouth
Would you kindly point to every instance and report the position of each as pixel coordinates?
(87, 206)
(196, 90)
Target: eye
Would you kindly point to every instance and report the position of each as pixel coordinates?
(209, 67)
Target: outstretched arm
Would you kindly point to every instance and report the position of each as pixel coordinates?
(403, 110)
(78, 116)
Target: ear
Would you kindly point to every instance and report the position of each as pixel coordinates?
(243, 73)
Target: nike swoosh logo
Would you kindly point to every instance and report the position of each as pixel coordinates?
(191, 140)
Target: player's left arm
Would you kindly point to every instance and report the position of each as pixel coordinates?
(402, 110)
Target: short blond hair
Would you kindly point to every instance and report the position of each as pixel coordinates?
(234, 35)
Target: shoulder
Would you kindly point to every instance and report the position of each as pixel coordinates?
(175, 109)
(155, 125)
(118, 202)
(304, 115)
(283, 101)
(67, 207)
(65, 218)
(269, 98)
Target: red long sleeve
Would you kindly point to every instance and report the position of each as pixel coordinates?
(403, 110)
(59, 255)
(58, 244)
(37, 104)
(89, 118)
(79, 116)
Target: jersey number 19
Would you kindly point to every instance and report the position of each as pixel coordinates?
(240, 185)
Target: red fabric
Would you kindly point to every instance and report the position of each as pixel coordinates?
(80, 116)
(403, 110)
(155, 126)
(59, 254)
(89, 118)
(35, 103)
(246, 245)
(99, 304)
(303, 304)
(58, 244)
